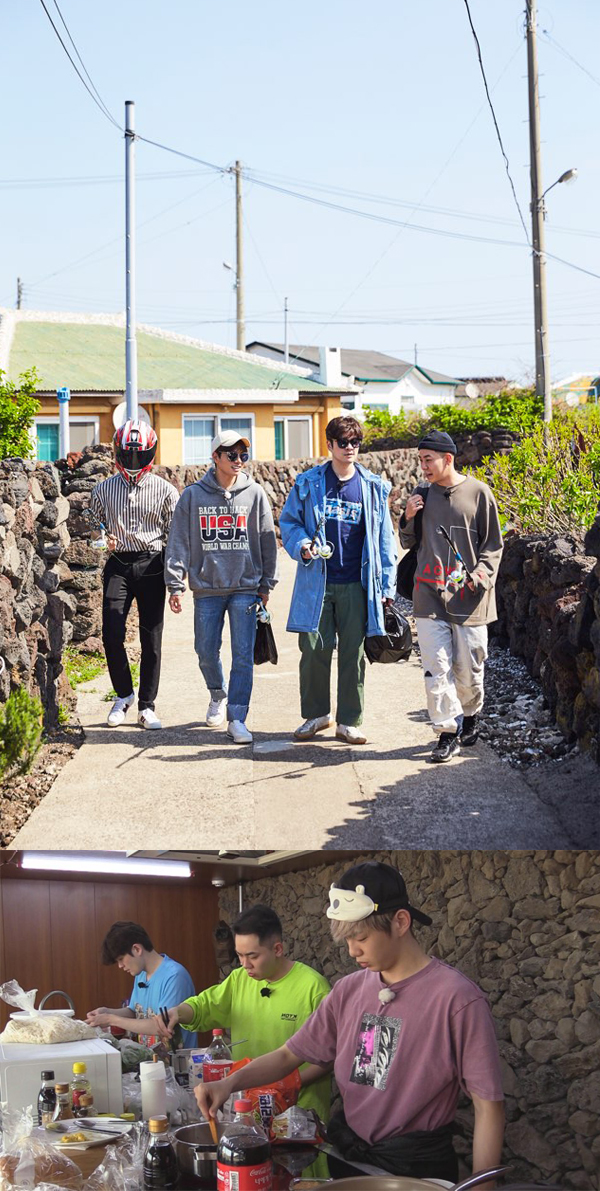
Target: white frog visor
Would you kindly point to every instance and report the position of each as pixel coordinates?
(350, 905)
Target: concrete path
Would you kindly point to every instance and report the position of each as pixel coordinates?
(189, 787)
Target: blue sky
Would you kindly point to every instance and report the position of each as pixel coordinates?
(385, 102)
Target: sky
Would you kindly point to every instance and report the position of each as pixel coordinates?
(379, 108)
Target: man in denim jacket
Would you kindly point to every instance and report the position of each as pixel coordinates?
(336, 524)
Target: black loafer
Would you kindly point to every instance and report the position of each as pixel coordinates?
(469, 732)
(447, 746)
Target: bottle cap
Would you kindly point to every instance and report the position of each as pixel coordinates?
(47, 1075)
(79, 1068)
(242, 1105)
(86, 1100)
(158, 1124)
(62, 1087)
(217, 1033)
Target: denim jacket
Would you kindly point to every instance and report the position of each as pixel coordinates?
(298, 523)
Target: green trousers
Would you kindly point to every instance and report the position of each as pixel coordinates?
(344, 617)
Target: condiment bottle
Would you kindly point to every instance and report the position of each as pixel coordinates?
(85, 1107)
(64, 1110)
(218, 1060)
(160, 1160)
(47, 1099)
(80, 1084)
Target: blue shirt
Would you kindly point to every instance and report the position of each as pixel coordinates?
(344, 527)
(169, 985)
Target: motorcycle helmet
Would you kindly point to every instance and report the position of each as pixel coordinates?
(135, 447)
(396, 644)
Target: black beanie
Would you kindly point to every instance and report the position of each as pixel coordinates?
(438, 440)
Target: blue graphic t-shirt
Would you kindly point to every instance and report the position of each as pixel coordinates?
(344, 527)
(169, 985)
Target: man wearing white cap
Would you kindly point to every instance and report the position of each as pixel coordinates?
(223, 540)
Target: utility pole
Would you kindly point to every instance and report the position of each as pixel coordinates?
(286, 346)
(415, 355)
(542, 358)
(131, 393)
(239, 269)
(19, 293)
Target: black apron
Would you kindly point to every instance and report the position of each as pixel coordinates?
(422, 1154)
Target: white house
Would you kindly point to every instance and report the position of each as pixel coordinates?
(383, 381)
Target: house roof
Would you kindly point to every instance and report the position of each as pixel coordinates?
(87, 353)
(364, 365)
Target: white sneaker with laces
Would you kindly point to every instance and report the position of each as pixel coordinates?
(309, 728)
(147, 718)
(216, 712)
(239, 732)
(349, 734)
(119, 710)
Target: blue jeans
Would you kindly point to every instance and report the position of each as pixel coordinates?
(209, 617)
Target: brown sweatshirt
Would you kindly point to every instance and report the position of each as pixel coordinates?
(469, 514)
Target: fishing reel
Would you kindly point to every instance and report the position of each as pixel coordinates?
(99, 543)
(262, 613)
(457, 578)
(322, 550)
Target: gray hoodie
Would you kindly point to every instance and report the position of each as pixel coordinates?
(223, 541)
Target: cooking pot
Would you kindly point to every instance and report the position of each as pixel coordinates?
(388, 1182)
(197, 1153)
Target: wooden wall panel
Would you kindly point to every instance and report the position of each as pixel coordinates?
(116, 902)
(27, 936)
(74, 948)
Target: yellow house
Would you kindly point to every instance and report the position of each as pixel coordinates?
(187, 389)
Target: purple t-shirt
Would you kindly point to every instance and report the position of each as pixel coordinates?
(400, 1066)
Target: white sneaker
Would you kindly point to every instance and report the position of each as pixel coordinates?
(239, 732)
(349, 734)
(148, 719)
(119, 710)
(309, 728)
(216, 712)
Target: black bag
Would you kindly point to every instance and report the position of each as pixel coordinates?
(265, 649)
(396, 645)
(405, 576)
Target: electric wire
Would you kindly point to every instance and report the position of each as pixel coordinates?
(83, 66)
(561, 49)
(98, 101)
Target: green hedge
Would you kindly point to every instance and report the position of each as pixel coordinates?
(517, 410)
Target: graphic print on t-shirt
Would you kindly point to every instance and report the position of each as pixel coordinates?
(222, 529)
(337, 509)
(378, 1039)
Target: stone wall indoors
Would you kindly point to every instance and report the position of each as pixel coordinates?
(526, 927)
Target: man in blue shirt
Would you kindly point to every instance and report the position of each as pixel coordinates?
(158, 980)
(336, 524)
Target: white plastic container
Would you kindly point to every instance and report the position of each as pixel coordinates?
(153, 1080)
(195, 1065)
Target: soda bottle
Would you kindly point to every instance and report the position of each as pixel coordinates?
(218, 1061)
(160, 1159)
(80, 1084)
(244, 1154)
(47, 1099)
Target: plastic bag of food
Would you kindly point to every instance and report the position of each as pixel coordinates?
(47, 1030)
(13, 994)
(295, 1124)
(271, 1099)
(26, 1162)
(122, 1168)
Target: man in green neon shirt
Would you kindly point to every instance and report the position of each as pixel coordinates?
(262, 1003)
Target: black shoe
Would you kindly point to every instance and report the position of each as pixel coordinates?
(448, 745)
(469, 732)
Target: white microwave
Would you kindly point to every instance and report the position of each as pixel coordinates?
(21, 1069)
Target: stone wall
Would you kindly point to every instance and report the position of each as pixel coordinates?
(472, 446)
(35, 612)
(526, 927)
(549, 614)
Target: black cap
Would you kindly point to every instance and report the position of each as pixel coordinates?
(47, 1075)
(438, 440)
(380, 883)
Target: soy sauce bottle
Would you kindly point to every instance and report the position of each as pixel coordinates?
(160, 1161)
(46, 1103)
(244, 1154)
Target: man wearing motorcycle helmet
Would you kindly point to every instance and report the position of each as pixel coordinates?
(136, 508)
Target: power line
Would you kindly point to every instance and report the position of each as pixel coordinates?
(83, 66)
(489, 99)
(96, 97)
(561, 49)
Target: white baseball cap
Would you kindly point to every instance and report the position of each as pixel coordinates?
(228, 438)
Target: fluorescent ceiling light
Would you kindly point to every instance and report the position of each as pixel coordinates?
(112, 863)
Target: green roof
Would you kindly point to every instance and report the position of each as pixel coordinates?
(92, 356)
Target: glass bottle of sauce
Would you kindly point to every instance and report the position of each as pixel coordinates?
(160, 1160)
(47, 1099)
(64, 1110)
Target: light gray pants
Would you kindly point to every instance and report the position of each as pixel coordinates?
(453, 657)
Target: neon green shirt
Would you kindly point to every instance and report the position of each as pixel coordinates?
(265, 1022)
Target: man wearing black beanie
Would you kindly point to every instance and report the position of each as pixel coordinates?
(453, 520)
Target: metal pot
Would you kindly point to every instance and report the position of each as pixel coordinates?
(197, 1154)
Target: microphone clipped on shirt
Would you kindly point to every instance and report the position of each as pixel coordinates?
(265, 992)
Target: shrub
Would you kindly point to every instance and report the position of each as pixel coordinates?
(550, 480)
(518, 410)
(81, 667)
(20, 732)
(18, 407)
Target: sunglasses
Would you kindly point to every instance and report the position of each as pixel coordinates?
(233, 456)
(349, 442)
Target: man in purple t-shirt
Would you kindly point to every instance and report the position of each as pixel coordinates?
(405, 1035)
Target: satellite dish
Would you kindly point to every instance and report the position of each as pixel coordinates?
(120, 415)
(472, 390)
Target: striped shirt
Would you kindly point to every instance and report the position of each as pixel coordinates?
(137, 515)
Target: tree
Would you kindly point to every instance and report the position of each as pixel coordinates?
(18, 407)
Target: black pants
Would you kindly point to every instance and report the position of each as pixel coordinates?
(424, 1154)
(127, 577)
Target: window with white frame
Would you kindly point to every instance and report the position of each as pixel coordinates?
(293, 438)
(200, 429)
(83, 432)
